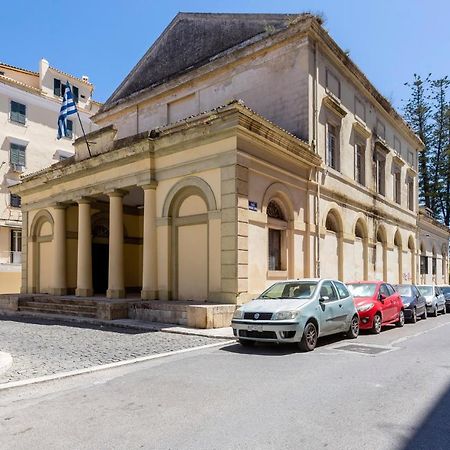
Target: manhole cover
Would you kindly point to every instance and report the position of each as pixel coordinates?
(365, 349)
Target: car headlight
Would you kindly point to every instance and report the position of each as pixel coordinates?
(238, 314)
(365, 307)
(406, 304)
(285, 315)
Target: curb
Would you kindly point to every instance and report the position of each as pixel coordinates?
(5, 361)
(127, 362)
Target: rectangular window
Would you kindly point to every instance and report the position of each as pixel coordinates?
(18, 112)
(360, 164)
(397, 192)
(16, 246)
(333, 84)
(17, 155)
(381, 129)
(397, 145)
(381, 174)
(332, 146)
(360, 109)
(274, 249)
(69, 129)
(423, 265)
(59, 89)
(15, 201)
(410, 184)
(433, 266)
(75, 94)
(411, 158)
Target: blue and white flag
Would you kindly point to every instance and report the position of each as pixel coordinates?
(68, 108)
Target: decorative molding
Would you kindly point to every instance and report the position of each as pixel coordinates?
(332, 105)
(361, 129)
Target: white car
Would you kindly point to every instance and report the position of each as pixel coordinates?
(297, 311)
(434, 299)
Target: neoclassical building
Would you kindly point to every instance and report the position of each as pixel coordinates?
(241, 149)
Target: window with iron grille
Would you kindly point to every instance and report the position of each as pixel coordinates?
(360, 164)
(423, 264)
(18, 112)
(15, 201)
(397, 179)
(433, 265)
(17, 155)
(332, 146)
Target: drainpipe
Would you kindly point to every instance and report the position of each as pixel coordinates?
(317, 172)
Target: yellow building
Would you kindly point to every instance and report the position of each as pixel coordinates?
(192, 194)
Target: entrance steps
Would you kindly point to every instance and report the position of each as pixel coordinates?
(58, 305)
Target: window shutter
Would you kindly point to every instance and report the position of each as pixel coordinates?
(75, 94)
(57, 87)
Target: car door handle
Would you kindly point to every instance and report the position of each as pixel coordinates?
(340, 306)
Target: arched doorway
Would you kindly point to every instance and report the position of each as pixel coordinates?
(100, 253)
(411, 274)
(381, 254)
(332, 258)
(399, 250)
(360, 261)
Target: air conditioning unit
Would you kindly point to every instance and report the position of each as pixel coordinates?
(17, 168)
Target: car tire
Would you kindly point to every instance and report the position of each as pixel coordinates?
(424, 315)
(246, 343)
(376, 326)
(309, 338)
(401, 319)
(414, 315)
(447, 308)
(353, 331)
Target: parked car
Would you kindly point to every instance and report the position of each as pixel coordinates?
(378, 303)
(413, 301)
(446, 291)
(297, 311)
(434, 299)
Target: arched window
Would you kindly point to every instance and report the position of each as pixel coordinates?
(277, 236)
(433, 262)
(423, 261)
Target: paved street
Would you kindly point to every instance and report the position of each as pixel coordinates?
(269, 397)
(42, 347)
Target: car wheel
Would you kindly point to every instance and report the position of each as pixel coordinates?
(376, 327)
(246, 343)
(425, 314)
(353, 331)
(447, 308)
(414, 315)
(401, 319)
(309, 338)
(444, 310)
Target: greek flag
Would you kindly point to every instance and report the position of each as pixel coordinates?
(68, 108)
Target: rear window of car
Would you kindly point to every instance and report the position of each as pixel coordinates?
(425, 290)
(342, 290)
(406, 291)
(446, 289)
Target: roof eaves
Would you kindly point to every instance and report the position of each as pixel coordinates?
(20, 69)
(71, 76)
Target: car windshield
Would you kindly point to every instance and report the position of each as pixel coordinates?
(290, 289)
(425, 290)
(404, 291)
(362, 289)
(446, 289)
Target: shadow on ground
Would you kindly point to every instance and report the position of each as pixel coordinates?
(433, 433)
(73, 324)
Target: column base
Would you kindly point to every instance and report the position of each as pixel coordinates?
(148, 294)
(58, 291)
(84, 292)
(115, 293)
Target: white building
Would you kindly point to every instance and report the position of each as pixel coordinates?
(29, 108)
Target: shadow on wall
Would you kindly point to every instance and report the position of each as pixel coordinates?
(434, 431)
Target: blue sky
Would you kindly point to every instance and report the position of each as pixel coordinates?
(388, 40)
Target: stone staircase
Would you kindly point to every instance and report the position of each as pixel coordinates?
(58, 305)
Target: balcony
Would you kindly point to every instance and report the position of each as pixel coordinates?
(7, 257)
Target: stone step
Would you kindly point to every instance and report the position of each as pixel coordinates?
(59, 306)
(174, 316)
(66, 312)
(57, 300)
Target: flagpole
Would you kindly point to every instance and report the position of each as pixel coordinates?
(84, 134)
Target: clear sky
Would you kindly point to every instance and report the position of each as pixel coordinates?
(388, 39)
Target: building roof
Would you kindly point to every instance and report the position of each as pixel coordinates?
(193, 39)
(19, 69)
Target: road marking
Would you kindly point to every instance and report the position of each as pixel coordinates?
(420, 333)
(126, 362)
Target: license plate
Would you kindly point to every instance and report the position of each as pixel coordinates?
(255, 328)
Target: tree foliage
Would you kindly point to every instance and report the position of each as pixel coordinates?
(427, 111)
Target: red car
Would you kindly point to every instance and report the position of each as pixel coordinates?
(377, 303)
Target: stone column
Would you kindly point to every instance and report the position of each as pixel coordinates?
(84, 261)
(116, 286)
(59, 286)
(149, 256)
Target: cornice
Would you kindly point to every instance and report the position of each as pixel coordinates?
(334, 106)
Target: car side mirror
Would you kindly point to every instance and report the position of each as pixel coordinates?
(381, 297)
(324, 299)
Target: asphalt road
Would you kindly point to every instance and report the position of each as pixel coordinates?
(269, 397)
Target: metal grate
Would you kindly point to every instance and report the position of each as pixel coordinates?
(257, 316)
(258, 334)
(364, 349)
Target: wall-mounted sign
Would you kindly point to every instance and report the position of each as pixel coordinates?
(252, 206)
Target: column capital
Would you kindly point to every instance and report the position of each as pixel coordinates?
(60, 205)
(150, 185)
(116, 193)
(84, 200)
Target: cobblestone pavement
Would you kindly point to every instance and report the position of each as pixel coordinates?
(45, 347)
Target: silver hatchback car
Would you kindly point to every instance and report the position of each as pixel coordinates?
(434, 298)
(298, 311)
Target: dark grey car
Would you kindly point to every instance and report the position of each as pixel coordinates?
(413, 301)
(445, 288)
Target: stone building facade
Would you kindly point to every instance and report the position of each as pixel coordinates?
(241, 150)
(29, 109)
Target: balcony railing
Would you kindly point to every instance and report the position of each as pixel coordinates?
(7, 257)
